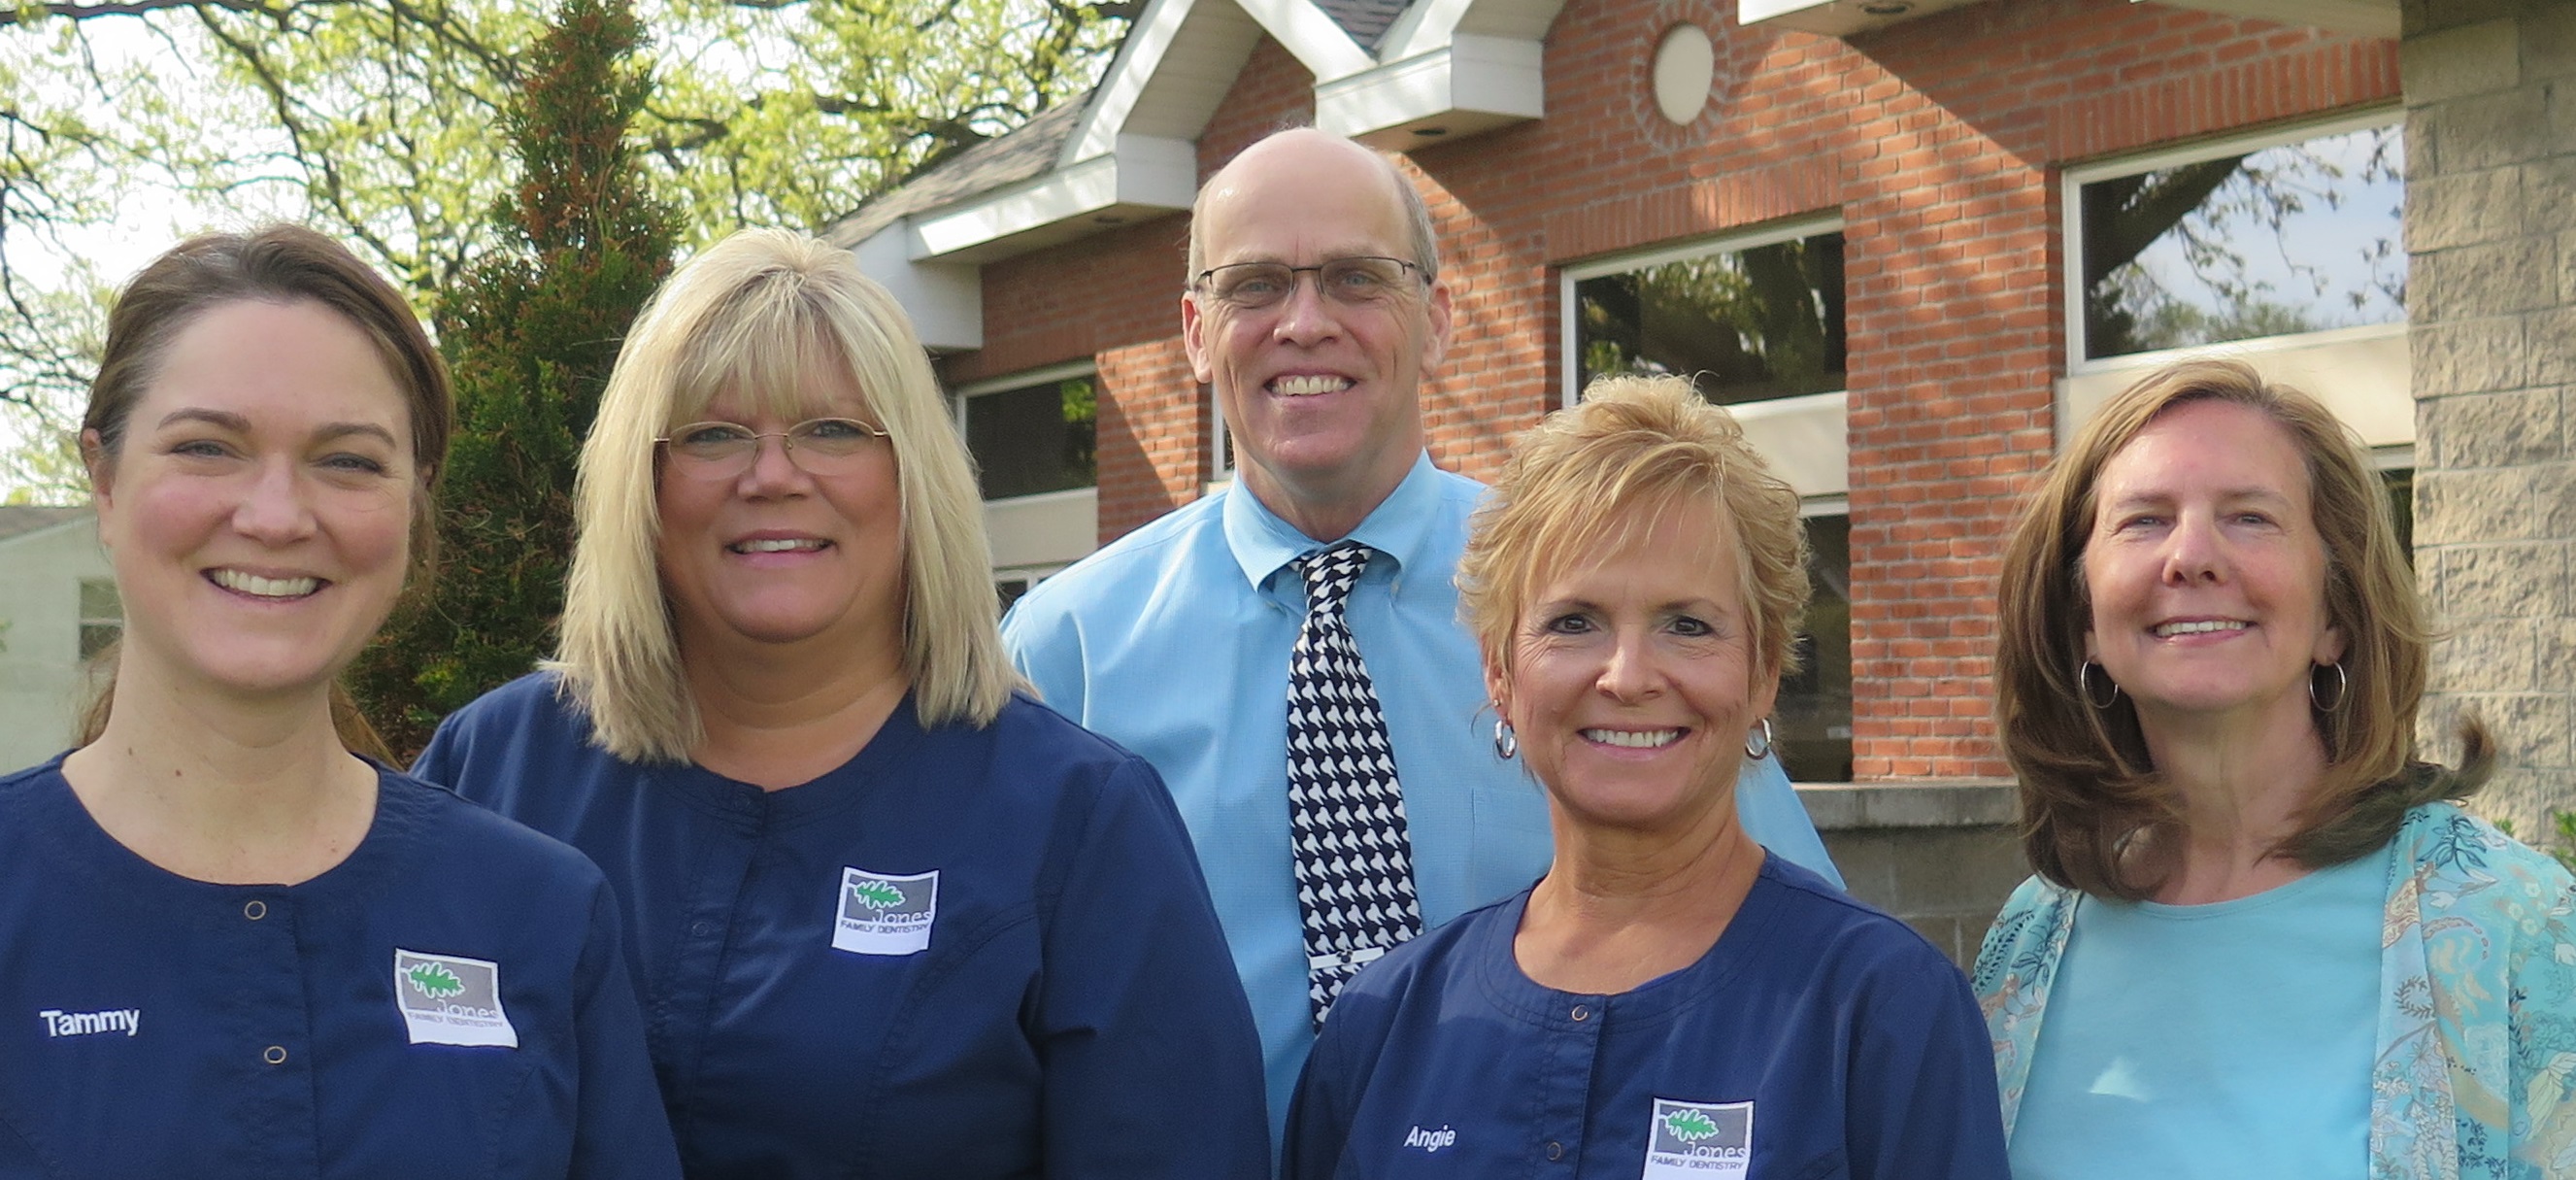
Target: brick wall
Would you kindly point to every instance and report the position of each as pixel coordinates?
(1938, 142)
(2491, 296)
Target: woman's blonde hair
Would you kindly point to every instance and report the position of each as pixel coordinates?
(1596, 475)
(750, 318)
(2087, 782)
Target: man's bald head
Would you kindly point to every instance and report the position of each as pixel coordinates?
(1300, 141)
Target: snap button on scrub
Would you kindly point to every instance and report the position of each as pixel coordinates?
(702, 928)
(254, 909)
(1581, 1014)
(274, 1055)
(1555, 1150)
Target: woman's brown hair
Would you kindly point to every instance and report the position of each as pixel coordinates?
(2087, 782)
(276, 264)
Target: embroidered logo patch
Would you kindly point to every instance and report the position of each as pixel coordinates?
(449, 1000)
(882, 915)
(1699, 1140)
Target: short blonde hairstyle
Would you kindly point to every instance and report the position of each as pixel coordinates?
(1635, 448)
(2087, 782)
(750, 317)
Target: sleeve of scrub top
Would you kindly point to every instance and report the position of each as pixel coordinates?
(1922, 1101)
(623, 1131)
(1152, 1068)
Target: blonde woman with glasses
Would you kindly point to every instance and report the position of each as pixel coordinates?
(892, 918)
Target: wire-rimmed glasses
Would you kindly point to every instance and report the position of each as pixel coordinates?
(724, 450)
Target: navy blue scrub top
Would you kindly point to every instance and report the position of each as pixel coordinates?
(966, 953)
(156, 1026)
(1818, 1038)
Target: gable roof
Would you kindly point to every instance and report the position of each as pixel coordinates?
(18, 518)
(1019, 154)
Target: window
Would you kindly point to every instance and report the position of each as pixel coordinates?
(1749, 320)
(102, 616)
(1035, 437)
(2279, 236)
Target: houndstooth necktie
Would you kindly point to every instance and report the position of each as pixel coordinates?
(1353, 858)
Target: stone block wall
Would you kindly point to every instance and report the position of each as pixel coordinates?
(2490, 91)
(1942, 856)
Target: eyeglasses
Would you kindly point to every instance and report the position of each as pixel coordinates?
(724, 450)
(1352, 282)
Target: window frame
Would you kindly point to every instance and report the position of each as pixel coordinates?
(1023, 379)
(2073, 178)
(1569, 348)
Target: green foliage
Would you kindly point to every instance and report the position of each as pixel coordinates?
(435, 981)
(1690, 1126)
(376, 120)
(877, 895)
(530, 332)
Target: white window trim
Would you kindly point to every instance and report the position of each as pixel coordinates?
(1021, 380)
(1037, 534)
(2071, 212)
(1807, 437)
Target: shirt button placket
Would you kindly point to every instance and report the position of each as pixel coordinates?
(276, 1106)
(1573, 1045)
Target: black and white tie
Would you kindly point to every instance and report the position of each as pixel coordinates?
(1353, 856)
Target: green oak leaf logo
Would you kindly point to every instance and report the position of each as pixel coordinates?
(877, 895)
(1690, 1126)
(435, 981)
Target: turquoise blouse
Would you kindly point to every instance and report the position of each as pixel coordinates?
(2475, 1062)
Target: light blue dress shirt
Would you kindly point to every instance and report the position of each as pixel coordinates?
(1173, 642)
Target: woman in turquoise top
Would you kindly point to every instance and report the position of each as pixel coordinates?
(2263, 939)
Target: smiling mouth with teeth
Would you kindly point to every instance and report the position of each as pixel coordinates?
(1633, 739)
(1307, 385)
(778, 545)
(259, 587)
(2200, 627)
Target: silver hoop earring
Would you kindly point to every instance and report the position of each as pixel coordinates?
(2084, 684)
(2343, 688)
(1760, 749)
(1506, 743)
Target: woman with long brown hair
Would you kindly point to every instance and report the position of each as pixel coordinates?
(236, 948)
(2264, 938)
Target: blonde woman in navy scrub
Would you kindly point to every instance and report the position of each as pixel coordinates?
(892, 918)
(236, 948)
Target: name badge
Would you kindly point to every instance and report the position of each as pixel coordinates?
(1699, 1141)
(883, 915)
(450, 1000)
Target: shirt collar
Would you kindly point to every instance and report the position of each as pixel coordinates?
(1399, 527)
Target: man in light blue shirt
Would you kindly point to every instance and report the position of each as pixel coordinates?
(1174, 640)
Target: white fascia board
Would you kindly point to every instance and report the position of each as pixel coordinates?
(1837, 18)
(1141, 171)
(1138, 55)
(1423, 26)
(1310, 36)
(1490, 76)
(944, 299)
